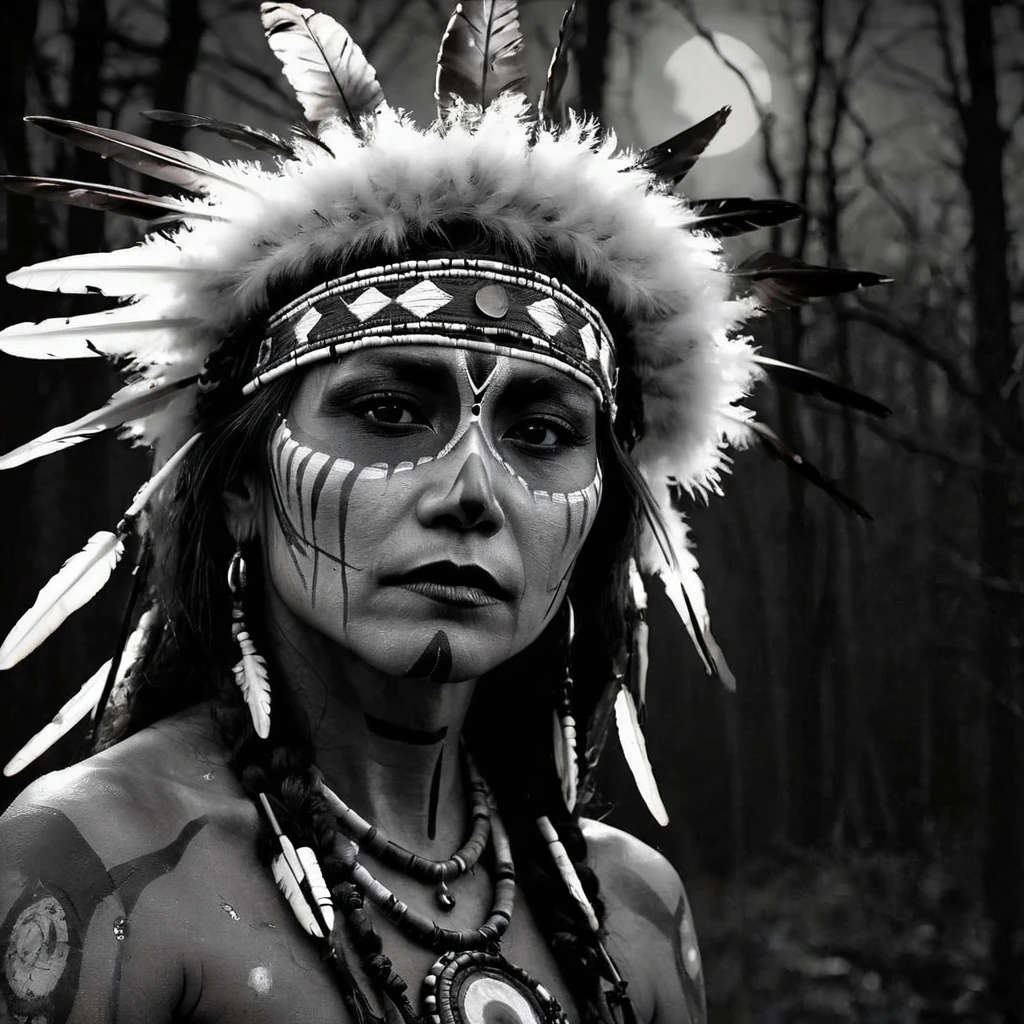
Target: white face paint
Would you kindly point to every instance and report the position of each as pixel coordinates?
(428, 504)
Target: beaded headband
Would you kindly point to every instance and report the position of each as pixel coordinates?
(477, 304)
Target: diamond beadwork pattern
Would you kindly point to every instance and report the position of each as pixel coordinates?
(368, 304)
(423, 299)
(546, 316)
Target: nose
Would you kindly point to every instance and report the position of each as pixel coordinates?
(468, 503)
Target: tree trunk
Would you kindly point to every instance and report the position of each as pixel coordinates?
(999, 495)
(593, 75)
(178, 56)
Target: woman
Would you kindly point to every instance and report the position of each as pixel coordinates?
(407, 390)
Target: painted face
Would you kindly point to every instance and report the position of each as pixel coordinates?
(428, 504)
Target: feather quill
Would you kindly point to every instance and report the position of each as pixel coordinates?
(155, 482)
(552, 110)
(254, 681)
(129, 405)
(634, 749)
(481, 54)
(82, 703)
(810, 382)
(114, 332)
(180, 167)
(327, 70)
(78, 580)
(244, 135)
(125, 202)
(780, 282)
(672, 160)
(778, 449)
(138, 270)
(725, 218)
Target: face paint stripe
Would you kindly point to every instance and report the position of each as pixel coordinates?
(314, 503)
(435, 791)
(300, 474)
(435, 663)
(344, 495)
(568, 525)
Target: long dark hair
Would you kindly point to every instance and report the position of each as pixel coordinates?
(190, 659)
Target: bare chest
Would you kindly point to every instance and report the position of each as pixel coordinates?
(246, 959)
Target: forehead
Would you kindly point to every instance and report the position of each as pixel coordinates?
(433, 367)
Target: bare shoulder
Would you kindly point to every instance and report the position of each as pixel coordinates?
(86, 856)
(649, 924)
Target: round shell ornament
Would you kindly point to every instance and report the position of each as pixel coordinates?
(482, 988)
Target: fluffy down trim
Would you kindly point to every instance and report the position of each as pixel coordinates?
(569, 194)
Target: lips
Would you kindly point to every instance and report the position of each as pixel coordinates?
(467, 585)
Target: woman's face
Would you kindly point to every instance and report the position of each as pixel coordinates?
(427, 505)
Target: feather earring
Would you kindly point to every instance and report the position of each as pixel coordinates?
(251, 671)
(564, 723)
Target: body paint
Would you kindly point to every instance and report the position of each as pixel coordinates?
(42, 937)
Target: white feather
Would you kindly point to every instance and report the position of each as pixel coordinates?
(73, 711)
(251, 675)
(327, 70)
(155, 482)
(634, 748)
(139, 270)
(79, 579)
(129, 405)
(317, 885)
(84, 701)
(114, 332)
(288, 883)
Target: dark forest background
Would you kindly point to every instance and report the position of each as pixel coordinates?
(850, 823)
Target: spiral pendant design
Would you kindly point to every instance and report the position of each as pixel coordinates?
(482, 988)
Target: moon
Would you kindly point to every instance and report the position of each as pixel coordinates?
(701, 81)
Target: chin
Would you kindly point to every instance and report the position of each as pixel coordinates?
(442, 650)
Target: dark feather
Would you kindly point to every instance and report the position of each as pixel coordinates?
(552, 110)
(779, 282)
(810, 382)
(778, 449)
(243, 134)
(305, 133)
(481, 54)
(671, 160)
(327, 70)
(107, 198)
(180, 167)
(724, 218)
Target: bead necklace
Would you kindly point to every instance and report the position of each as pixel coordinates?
(374, 840)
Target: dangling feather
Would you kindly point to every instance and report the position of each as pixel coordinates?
(634, 748)
(317, 886)
(125, 202)
(778, 449)
(72, 712)
(244, 135)
(552, 110)
(810, 382)
(114, 332)
(252, 677)
(129, 405)
(481, 54)
(180, 167)
(638, 656)
(79, 580)
(725, 218)
(566, 764)
(686, 592)
(138, 270)
(672, 160)
(561, 765)
(81, 704)
(779, 282)
(288, 883)
(327, 70)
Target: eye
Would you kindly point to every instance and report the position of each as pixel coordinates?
(540, 433)
(389, 411)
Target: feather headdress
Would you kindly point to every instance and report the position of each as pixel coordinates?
(366, 179)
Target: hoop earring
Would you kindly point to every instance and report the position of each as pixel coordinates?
(251, 671)
(564, 725)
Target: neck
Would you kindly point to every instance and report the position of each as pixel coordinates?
(388, 746)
